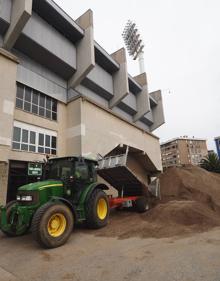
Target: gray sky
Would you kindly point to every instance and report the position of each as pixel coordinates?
(182, 54)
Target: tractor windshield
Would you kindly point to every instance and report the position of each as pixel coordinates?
(60, 169)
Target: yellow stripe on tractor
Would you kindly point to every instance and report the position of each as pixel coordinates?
(45, 186)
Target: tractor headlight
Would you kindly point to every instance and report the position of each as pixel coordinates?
(28, 198)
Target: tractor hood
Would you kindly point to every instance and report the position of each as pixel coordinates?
(40, 185)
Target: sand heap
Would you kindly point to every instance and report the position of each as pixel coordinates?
(190, 203)
(191, 183)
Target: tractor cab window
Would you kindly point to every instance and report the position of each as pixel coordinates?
(81, 171)
(60, 169)
(92, 171)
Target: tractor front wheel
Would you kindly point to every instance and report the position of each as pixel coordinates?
(52, 225)
(97, 209)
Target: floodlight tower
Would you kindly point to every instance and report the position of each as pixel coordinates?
(134, 43)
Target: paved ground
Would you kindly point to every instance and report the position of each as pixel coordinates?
(88, 257)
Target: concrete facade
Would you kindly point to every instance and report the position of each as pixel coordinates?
(8, 72)
(143, 100)
(105, 130)
(84, 49)
(120, 78)
(21, 11)
(183, 151)
(61, 93)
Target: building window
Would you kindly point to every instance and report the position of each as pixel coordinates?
(34, 102)
(34, 139)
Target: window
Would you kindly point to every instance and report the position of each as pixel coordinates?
(61, 168)
(32, 145)
(34, 139)
(16, 138)
(81, 171)
(34, 102)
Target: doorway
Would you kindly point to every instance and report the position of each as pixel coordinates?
(18, 176)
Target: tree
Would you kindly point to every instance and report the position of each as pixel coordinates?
(211, 163)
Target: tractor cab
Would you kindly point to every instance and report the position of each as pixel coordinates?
(71, 170)
(74, 172)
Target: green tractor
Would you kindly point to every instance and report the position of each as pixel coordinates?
(69, 194)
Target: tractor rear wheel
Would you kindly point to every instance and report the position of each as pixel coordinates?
(142, 204)
(97, 209)
(12, 231)
(52, 225)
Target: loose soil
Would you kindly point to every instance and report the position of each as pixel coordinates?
(190, 203)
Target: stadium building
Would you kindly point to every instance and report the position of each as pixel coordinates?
(61, 94)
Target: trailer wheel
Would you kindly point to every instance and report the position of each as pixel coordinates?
(97, 209)
(52, 225)
(12, 231)
(142, 204)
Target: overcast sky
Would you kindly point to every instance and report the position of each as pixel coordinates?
(182, 55)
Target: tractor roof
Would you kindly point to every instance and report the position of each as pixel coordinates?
(74, 157)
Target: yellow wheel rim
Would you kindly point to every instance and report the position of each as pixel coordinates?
(102, 209)
(56, 225)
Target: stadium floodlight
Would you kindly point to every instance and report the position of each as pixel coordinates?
(134, 43)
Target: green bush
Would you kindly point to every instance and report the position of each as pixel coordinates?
(211, 163)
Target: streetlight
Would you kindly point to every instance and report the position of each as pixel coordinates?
(134, 43)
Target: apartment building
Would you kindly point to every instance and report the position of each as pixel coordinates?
(62, 94)
(183, 151)
(217, 143)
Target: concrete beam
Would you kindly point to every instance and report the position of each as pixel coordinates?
(157, 111)
(120, 78)
(85, 54)
(20, 14)
(143, 101)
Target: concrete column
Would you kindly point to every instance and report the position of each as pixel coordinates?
(85, 54)
(3, 182)
(157, 111)
(8, 72)
(120, 78)
(20, 14)
(143, 102)
(75, 128)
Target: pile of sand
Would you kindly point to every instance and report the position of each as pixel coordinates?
(190, 203)
(191, 183)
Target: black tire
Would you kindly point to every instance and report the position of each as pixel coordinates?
(41, 221)
(93, 220)
(142, 204)
(12, 231)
